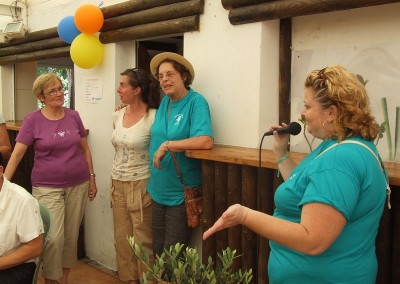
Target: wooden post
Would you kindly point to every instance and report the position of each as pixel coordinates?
(208, 187)
(234, 196)
(221, 203)
(249, 199)
(285, 63)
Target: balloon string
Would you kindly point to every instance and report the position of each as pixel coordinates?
(101, 4)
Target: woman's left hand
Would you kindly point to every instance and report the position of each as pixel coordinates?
(236, 214)
(92, 189)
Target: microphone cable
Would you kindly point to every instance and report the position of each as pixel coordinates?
(258, 195)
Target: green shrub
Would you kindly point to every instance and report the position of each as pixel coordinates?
(177, 266)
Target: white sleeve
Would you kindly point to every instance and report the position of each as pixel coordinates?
(30, 224)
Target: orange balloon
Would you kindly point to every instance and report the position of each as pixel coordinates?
(89, 19)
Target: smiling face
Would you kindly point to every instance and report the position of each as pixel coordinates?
(126, 92)
(171, 80)
(53, 96)
(318, 120)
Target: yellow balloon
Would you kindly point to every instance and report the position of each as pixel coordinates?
(86, 51)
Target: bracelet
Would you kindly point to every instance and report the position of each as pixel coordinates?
(92, 175)
(166, 145)
(280, 161)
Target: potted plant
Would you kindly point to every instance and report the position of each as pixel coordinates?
(178, 265)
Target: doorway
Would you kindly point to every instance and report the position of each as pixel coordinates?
(147, 49)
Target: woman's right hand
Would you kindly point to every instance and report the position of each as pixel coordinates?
(281, 141)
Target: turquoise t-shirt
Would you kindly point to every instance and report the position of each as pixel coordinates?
(349, 178)
(188, 117)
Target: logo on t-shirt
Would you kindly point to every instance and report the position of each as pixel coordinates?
(61, 133)
(178, 119)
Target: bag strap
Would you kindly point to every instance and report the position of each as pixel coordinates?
(389, 191)
(178, 171)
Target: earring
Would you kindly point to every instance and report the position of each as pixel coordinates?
(323, 124)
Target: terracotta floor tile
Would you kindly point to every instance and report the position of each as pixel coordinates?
(89, 272)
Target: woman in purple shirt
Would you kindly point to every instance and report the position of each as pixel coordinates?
(62, 175)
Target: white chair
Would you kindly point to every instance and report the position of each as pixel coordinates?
(45, 214)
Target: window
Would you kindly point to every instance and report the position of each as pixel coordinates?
(66, 75)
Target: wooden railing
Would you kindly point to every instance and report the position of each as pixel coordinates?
(232, 175)
(22, 175)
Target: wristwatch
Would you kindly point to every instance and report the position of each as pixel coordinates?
(166, 145)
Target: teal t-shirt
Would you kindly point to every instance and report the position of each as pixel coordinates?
(349, 178)
(188, 117)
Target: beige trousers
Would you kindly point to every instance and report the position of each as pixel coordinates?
(67, 207)
(132, 212)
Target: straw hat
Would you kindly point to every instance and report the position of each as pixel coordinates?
(155, 62)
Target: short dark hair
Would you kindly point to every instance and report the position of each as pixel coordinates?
(1, 160)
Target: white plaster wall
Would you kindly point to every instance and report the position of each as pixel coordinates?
(6, 92)
(371, 26)
(236, 70)
(99, 234)
(99, 237)
(363, 26)
(44, 14)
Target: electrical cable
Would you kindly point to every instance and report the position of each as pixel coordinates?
(258, 194)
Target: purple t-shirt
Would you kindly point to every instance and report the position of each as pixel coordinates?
(59, 161)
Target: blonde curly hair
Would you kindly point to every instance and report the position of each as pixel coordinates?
(335, 85)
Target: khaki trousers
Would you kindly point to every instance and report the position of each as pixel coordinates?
(67, 207)
(132, 212)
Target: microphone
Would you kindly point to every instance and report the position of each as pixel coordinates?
(293, 128)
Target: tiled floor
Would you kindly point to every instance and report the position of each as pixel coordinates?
(89, 272)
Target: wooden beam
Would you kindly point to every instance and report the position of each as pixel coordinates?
(157, 14)
(33, 46)
(164, 28)
(230, 4)
(30, 37)
(108, 12)
(35, 55)
(282, 9)
(139, 19)
(285, 63)
(134, 6)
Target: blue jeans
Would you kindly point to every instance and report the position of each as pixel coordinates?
(169, 227)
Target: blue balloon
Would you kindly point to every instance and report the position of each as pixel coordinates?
(67, 29)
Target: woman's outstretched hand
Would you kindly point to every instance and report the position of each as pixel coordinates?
(234, 215)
